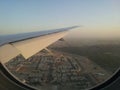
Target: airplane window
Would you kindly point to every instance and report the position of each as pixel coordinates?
(64, 66)
(58, 44)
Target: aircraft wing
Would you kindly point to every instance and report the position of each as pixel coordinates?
(28, 44)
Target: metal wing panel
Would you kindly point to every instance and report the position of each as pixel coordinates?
(31, 46)
(28, 44)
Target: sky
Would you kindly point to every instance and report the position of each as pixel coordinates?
(98, 18)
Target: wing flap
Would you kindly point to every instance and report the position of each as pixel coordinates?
(7, 52)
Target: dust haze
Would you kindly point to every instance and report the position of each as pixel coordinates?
(81, 37)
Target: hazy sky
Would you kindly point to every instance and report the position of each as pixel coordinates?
(98, 17)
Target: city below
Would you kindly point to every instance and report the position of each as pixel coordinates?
(57, 70)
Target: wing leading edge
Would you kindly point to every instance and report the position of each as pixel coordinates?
(29, 44)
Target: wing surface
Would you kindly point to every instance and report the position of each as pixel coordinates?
(28, 44)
